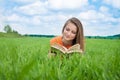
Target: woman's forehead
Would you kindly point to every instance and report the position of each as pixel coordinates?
(71, 26)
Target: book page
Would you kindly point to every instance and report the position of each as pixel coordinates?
(59, 47)
(74, 48)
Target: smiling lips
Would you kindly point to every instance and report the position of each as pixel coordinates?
(67, 36)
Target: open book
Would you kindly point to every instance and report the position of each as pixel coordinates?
(56, 48)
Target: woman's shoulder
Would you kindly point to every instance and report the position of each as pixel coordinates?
(56, 39)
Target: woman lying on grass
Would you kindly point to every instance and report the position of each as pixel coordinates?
(72, 34)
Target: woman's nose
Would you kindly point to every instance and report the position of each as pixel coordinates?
(69, 33)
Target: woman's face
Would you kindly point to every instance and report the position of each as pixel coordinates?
(69, 32)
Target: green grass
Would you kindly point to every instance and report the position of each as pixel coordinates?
(26, 59)
(9, 35)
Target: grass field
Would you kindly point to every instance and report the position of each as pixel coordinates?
(26, 59)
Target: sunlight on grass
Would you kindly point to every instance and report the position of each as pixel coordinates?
(26, 59)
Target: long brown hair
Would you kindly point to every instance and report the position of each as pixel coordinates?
(80, 35)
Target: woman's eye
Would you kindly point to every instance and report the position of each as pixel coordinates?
(73, 32)
(67, 29)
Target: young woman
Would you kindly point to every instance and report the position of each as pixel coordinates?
(72, 33)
